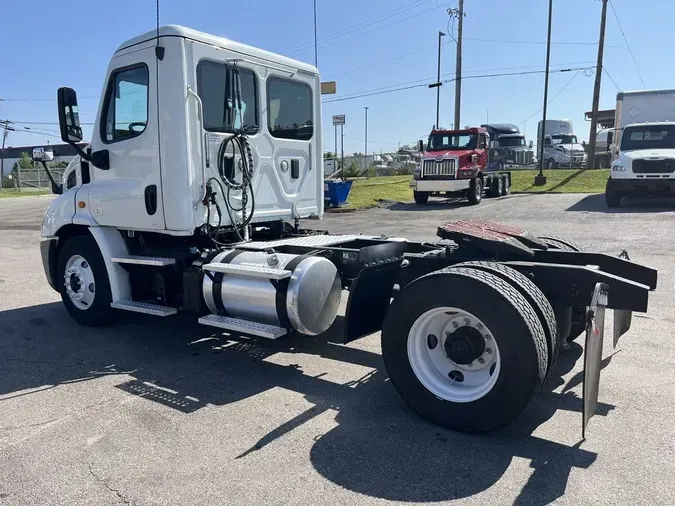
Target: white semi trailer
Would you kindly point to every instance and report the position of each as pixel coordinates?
(205, 158)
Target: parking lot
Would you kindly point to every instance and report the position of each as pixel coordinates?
(153, 411)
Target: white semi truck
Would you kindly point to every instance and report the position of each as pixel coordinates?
(561, 147)
(205, 158)
(644, 149)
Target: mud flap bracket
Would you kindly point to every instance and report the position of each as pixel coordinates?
(595, 330)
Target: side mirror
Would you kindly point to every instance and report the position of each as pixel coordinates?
(69, 117)
(420, 145)
(531, 144)
(43, 155)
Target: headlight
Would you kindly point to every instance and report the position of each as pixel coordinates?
(618, 168)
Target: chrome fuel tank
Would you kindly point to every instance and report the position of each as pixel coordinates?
(307, 301)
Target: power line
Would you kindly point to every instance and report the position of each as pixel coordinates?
(508, 41)
(554, 97)
(402, 87)
(611, 4)
(45, 123)
(611, 78)
(363, 24)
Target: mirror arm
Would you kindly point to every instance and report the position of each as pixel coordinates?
(57, 189)
(98, 159)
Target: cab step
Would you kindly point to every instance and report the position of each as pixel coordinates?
(243, 326)
(253, 271)
(144, 307)
(141, 260)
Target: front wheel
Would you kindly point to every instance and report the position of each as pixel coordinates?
(475, 191)
(550, 164)
(612, 197)
(83, 282)
(464, 349)
(421, 198)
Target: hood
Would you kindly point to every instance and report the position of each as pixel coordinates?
(432, 155)
(640, 154)
(572, 147)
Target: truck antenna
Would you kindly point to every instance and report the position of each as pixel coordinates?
(159, 50)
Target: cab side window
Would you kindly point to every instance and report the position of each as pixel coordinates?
(125, 113)
(289, 109)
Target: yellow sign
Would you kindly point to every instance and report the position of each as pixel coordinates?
(328, 88)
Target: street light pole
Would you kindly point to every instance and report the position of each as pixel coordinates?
(365, 154)
(438, 82)
(540, 179)
(316, 49)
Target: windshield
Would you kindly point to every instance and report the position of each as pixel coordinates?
(511, 141)
(648, 137)
(564, 139)
(452, 142)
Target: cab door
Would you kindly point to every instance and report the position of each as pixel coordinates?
(128, 195)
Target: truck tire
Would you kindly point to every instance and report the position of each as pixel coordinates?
(421, 198)
(506, 187)
(558, 242)
(83, 282)
(612, 197)
(534, 297)
(578, 326)
(475, 194)
(550, 164)
(486, 313)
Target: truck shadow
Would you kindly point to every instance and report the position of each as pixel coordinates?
(379, 447)
(439, 204)
(596, 204)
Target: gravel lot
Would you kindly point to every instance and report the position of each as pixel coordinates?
(308, 421)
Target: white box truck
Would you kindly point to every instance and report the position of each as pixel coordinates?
(644, 149)
(561, 146)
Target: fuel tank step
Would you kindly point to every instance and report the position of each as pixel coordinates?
(144, 307)
(243, 326)
(141, 260)
(253, 271)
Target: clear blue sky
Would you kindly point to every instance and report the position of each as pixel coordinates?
(363, 45)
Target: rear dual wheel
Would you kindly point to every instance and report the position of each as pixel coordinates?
(465, 348)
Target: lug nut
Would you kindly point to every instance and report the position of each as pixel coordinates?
(487, 337)
(481, 361)
(488, 351)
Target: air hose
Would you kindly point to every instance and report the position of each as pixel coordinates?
(227, 169)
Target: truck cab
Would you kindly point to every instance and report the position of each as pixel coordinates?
(561, 146)
(644, 164)
(508, 146)
(456, 162)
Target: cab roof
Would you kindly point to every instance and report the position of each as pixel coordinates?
(221, 42)
(472, 130)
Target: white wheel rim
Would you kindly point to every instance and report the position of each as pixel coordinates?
(444, 378)
(79, 282)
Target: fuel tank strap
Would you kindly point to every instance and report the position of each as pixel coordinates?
(281, 286)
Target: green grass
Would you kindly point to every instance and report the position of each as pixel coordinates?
(11, 192)
(369, 192)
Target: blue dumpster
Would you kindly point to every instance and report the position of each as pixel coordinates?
(335, 193)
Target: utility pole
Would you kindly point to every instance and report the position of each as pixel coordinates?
(540, 179)
(6, 128)
(438, 82)
(458, 69)
(590, 161)
(365, 153)
(342, 149)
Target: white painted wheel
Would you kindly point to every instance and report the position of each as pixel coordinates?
(79, 282)
(453, 354)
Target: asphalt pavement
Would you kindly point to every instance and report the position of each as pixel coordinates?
(165, 411)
